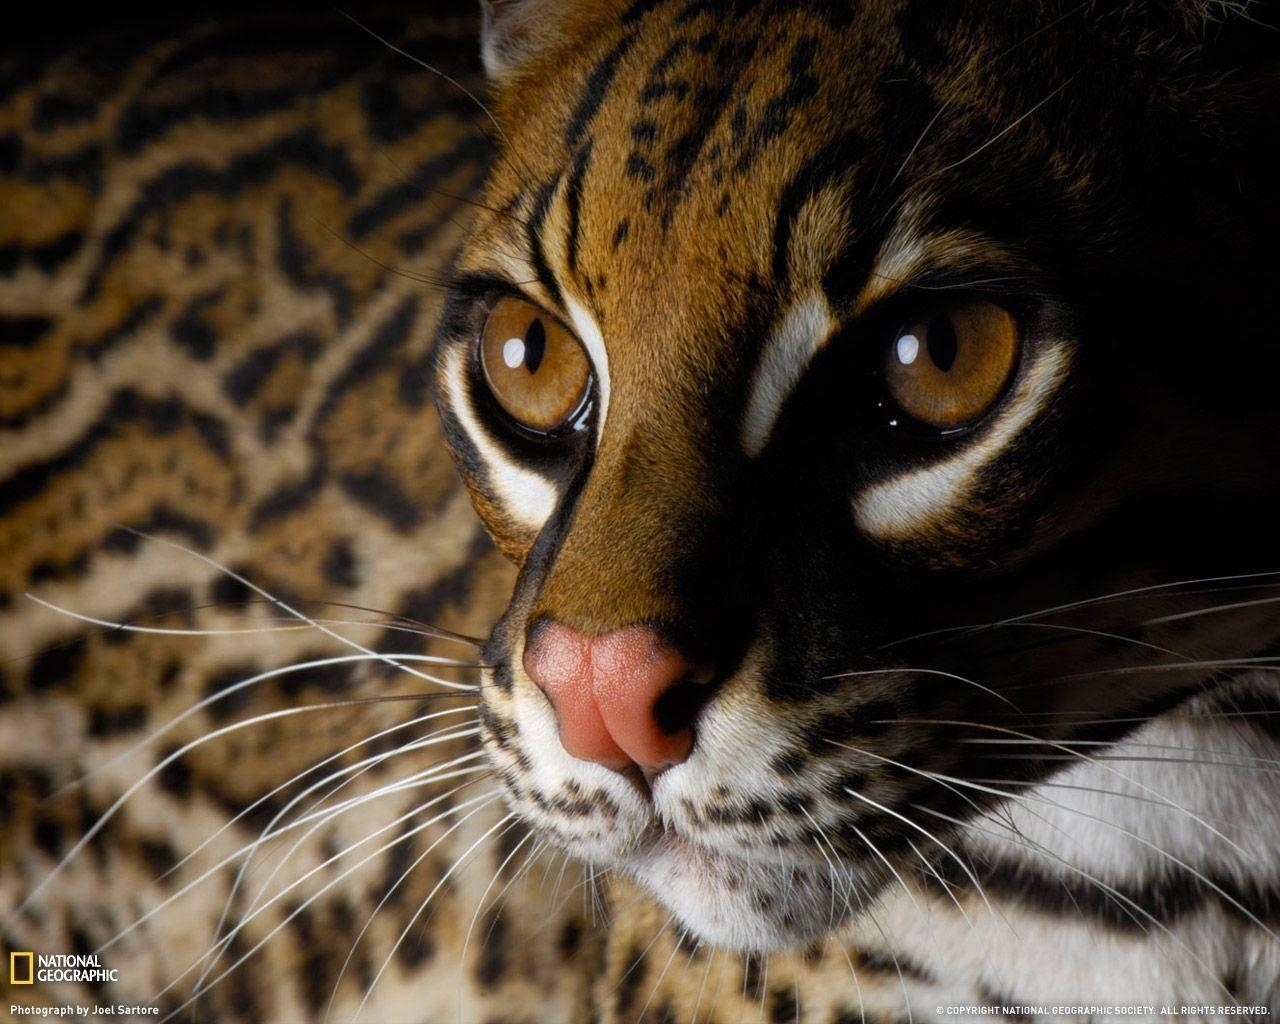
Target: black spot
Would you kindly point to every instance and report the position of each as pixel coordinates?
(47, 258)
(56, 666)
(491, 965)
(330, 679)
(533, 235)
(783, 1008)
(789, 762)
(665, 1013)
(105, 722)
(141, 314)
(383, 497)
(159, 855)
(840, 786)
(639, 167)
(10, 153)
(866, 720)
(229, 702)
(387, 117)
(573, 199)
(227, 590)
(340, 566)
(82, 944)
(753, 977)
(48, 835)
(620, 235)
(175, 777)
(629, 984)
(570, 939)
(294, 258)
(892, 964)
(23, 331)
(192, 331)
(55, 109)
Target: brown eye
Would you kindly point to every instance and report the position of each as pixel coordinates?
(949, 370)
(535, 368)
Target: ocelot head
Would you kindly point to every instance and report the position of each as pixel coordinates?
(877, 405)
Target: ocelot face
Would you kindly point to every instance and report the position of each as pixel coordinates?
(861, 396)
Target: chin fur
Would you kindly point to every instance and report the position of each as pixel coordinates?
(748, 906)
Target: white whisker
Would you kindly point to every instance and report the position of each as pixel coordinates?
(483, 800)
(448, 873)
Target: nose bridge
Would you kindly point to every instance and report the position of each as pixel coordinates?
(640, 530)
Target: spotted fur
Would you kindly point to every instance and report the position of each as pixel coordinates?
(241, 257)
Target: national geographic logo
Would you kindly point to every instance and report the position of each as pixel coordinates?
(29, 968)
(22, 968)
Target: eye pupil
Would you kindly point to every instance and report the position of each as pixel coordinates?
(942, 343)
(535, 346)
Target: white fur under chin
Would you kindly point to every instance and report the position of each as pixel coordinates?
(714, 898)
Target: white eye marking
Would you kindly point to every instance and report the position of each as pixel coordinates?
(803, 330)
(593, 341)
(909, 504)
(908, 349)
(513, 352)
(525, 496)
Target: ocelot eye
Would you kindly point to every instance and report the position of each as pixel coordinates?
(949, 369)
(535, 369)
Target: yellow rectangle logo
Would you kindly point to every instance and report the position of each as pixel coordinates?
(18, 975)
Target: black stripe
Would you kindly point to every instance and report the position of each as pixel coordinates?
(537, 253)
(801, 88)
(417, 186)
(595, 90)
(383, 497)
(1125, 906)
(294, 258)
(304, 148)
(733, 59)
(388, 341)
(161, 417)
(573, 197)
(47, 257)
(638, 10)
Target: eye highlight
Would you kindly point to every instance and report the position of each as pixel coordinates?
(948, 371)
(535, 369)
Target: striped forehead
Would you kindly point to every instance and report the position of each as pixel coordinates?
(688, 122)
(668, 223)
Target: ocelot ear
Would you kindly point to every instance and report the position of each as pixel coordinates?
(513, 30)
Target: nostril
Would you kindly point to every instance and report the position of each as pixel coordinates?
(677, 709)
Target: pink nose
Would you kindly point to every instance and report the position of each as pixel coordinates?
(625, 698)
